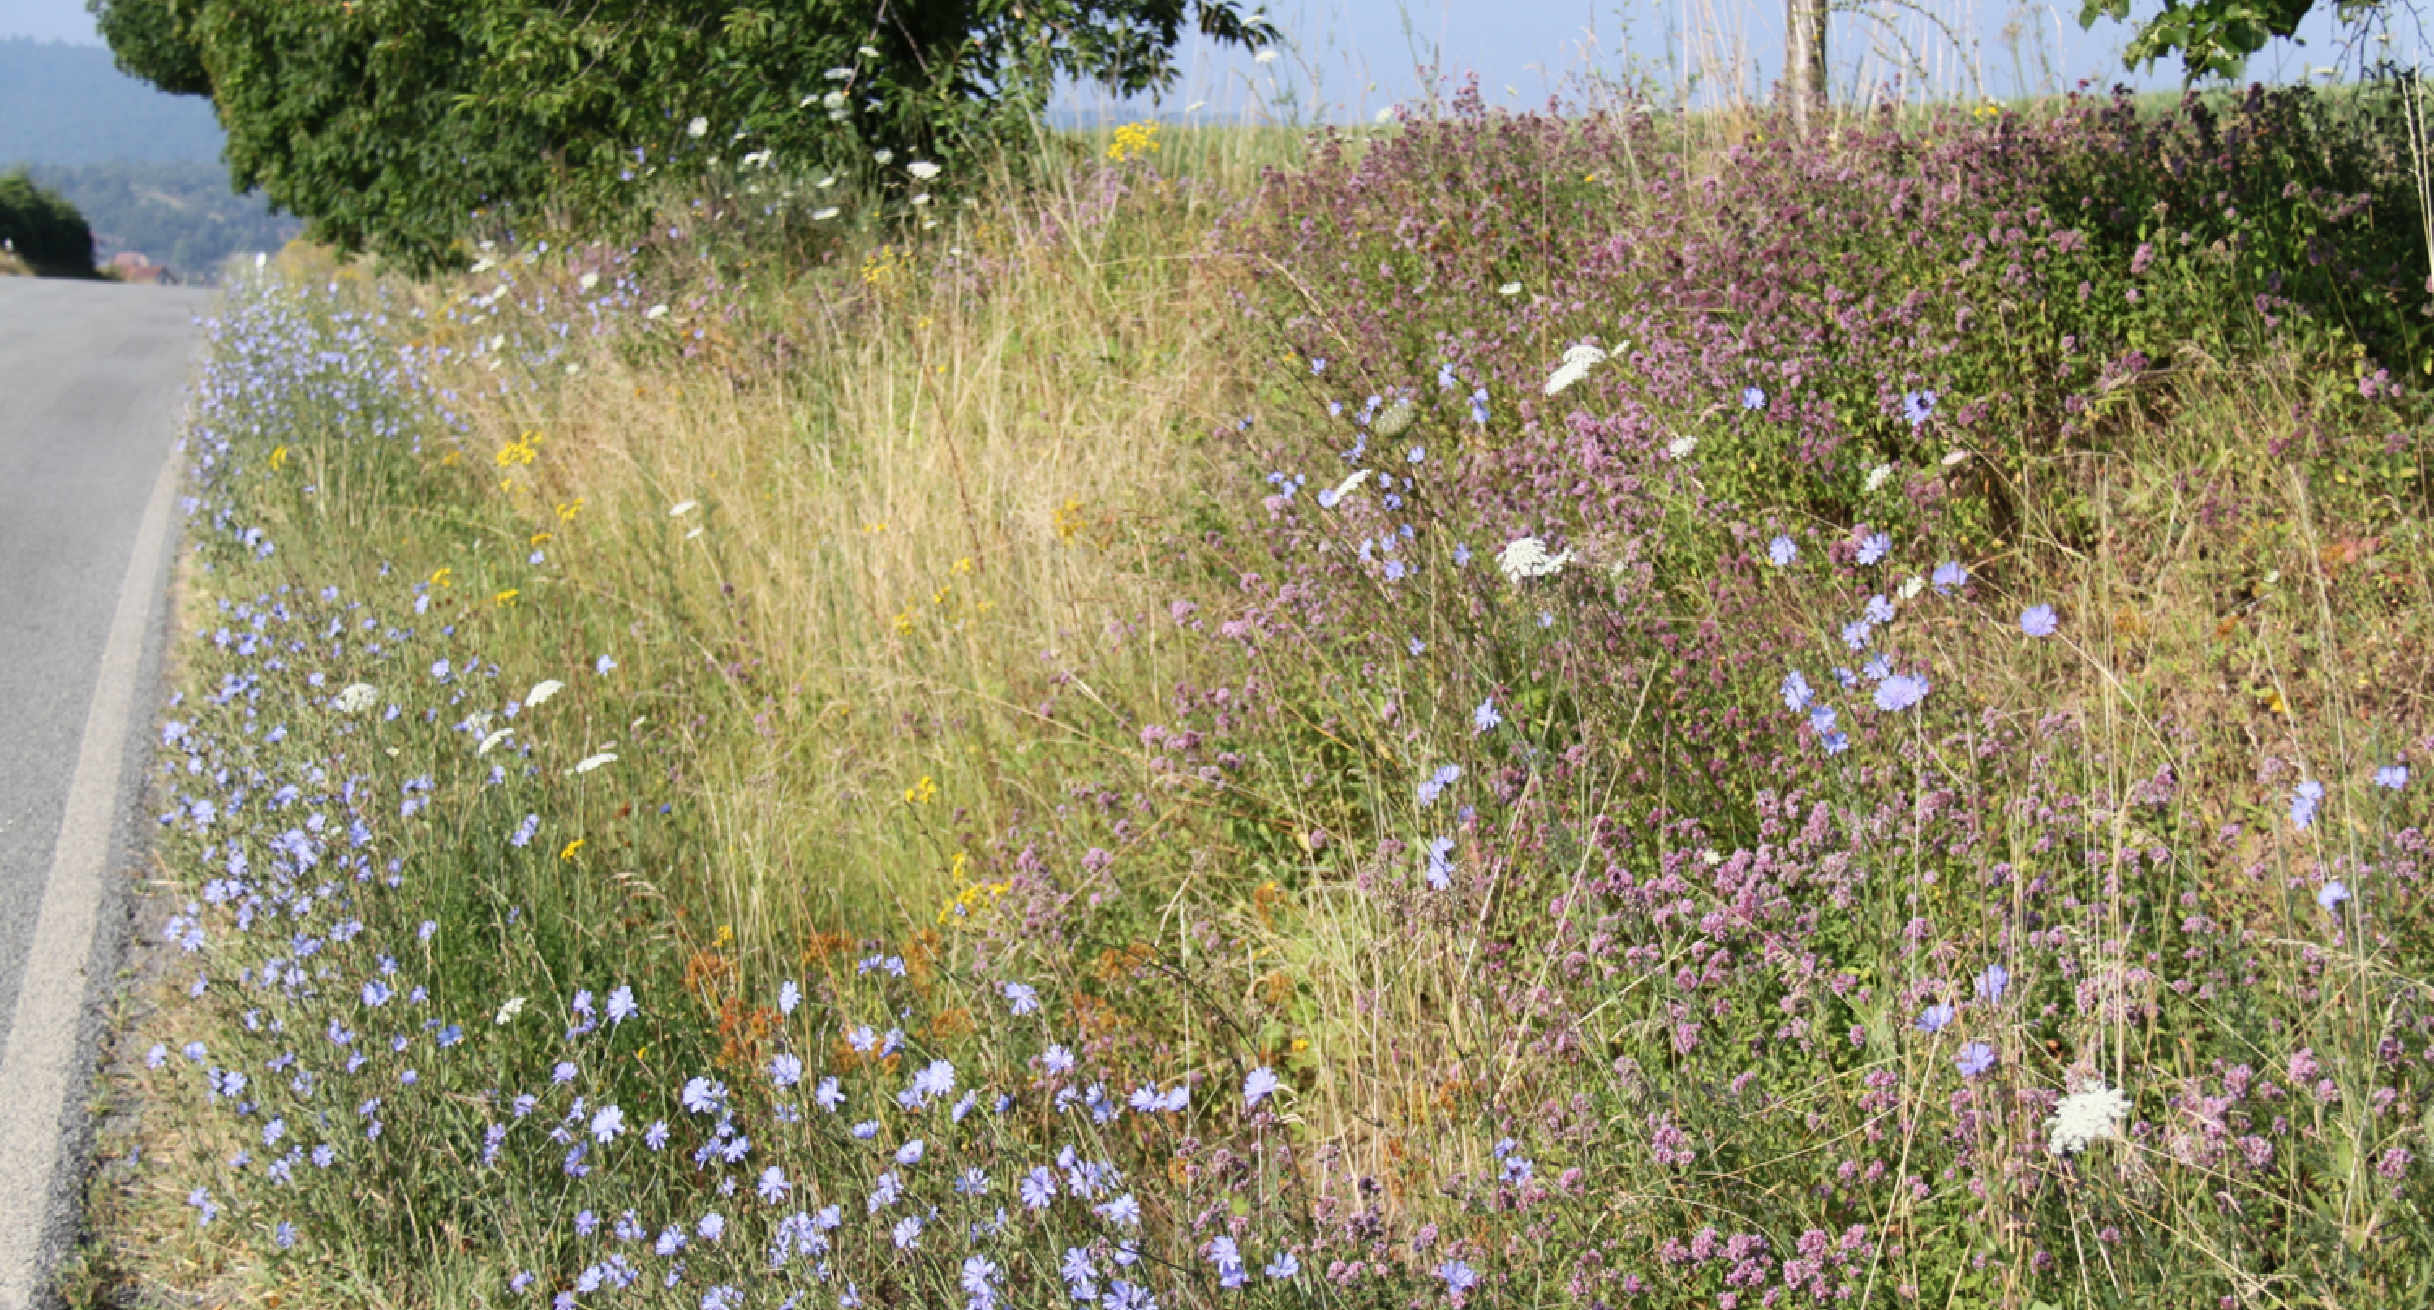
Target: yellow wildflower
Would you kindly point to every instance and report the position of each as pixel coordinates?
(443, 577)
(571, 848)
(278, 458)
(882, 267)
(568, 510)
(523, 450)
(1133, 140)
(962, 567)
(1068, 519)
(922, 792)
(505, 598)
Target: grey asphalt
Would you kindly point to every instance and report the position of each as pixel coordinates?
(92, 380)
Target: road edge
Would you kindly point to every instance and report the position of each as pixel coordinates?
(49, 1054)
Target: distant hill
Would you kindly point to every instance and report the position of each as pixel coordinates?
(69, 104)
(143, 167)
(182, 215)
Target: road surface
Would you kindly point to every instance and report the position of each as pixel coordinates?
(92, 377)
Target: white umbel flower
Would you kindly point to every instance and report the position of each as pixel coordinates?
(591, 762)
(922, 170)
(508, 1012)
(1877, 476)
(491, 742)
(2084, 1116)
(1577, 363)
(1351, 483)
(1680, 447)
(697, 127)
(1527, 557)
(543, 690)
(355, 698)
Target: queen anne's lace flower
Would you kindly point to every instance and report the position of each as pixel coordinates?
(355, 698)
(1527, 557)
(1577, 363)
(2084, 1116)
(1334, 495)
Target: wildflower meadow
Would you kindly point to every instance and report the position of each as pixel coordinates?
(1604, 709)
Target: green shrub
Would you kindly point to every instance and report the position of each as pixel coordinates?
(42, 228)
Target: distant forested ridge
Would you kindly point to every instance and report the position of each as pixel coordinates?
(182, 215)
(69, 104)
(143, 167)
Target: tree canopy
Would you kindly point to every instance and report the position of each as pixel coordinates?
(2211, 36)
(387, 124)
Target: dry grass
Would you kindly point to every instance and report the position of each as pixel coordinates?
(922, 485)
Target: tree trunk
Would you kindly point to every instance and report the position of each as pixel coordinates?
(1804, 72)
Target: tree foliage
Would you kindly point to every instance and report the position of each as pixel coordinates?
(388, 123)
(42, 228)
(2211, 36)
(154, 40)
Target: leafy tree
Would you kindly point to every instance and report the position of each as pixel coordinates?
(2211, 36)
(42, 228)
(388, 123)
(155, 41)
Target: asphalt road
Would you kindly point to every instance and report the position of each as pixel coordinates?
(92, 379)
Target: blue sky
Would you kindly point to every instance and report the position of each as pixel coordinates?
(1348, 58)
